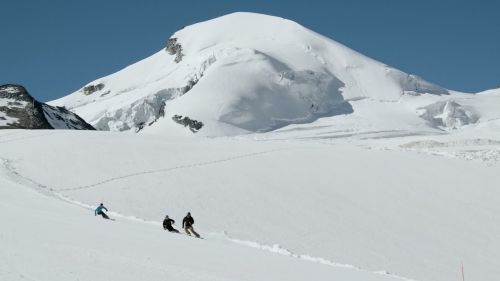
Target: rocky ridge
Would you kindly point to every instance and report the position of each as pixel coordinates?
(19, 110)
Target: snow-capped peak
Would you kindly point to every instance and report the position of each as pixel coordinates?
(240, 73)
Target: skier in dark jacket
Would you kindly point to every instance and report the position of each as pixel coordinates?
(187, 224)
(167, 224)
(99, 211)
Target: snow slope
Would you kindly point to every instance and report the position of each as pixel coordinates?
(247, 72)
(382, 209)
(50, 239)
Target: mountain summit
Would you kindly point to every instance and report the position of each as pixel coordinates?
(247, 72)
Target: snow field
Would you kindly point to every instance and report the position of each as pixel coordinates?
(51, 239)
(409, 214)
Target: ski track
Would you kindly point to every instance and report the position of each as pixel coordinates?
(166, 170)
(275, 248)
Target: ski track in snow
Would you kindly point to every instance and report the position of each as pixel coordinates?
(166, 170)
(275, 248)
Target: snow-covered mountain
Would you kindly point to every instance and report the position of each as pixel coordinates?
(248, 72)
(364, 173)
(19, 110)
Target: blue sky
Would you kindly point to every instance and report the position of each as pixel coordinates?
(55, 47)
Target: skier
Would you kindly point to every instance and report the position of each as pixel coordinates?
(99, 211)
(167, 224)
(187, 224)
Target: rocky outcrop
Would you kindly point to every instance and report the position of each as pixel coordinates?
(19, 110)
(90, 89)
(61, 118)
(174, 48)
(193, 125)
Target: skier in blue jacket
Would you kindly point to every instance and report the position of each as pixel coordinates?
(99, 211)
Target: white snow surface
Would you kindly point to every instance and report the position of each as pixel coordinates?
(53, 240)
(274, 206)
(246, 72)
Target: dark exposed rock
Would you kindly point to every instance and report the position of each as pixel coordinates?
(19, 110)
(174, 48)
(90, 89)
(193, 125)
(61, 118)
(140, 126)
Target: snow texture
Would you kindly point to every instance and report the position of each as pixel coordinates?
(349, 208)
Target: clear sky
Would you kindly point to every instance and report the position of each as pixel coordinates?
(55, 47)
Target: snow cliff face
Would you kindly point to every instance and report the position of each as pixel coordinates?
(241, 73)
(19, 110)
(448, 115)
